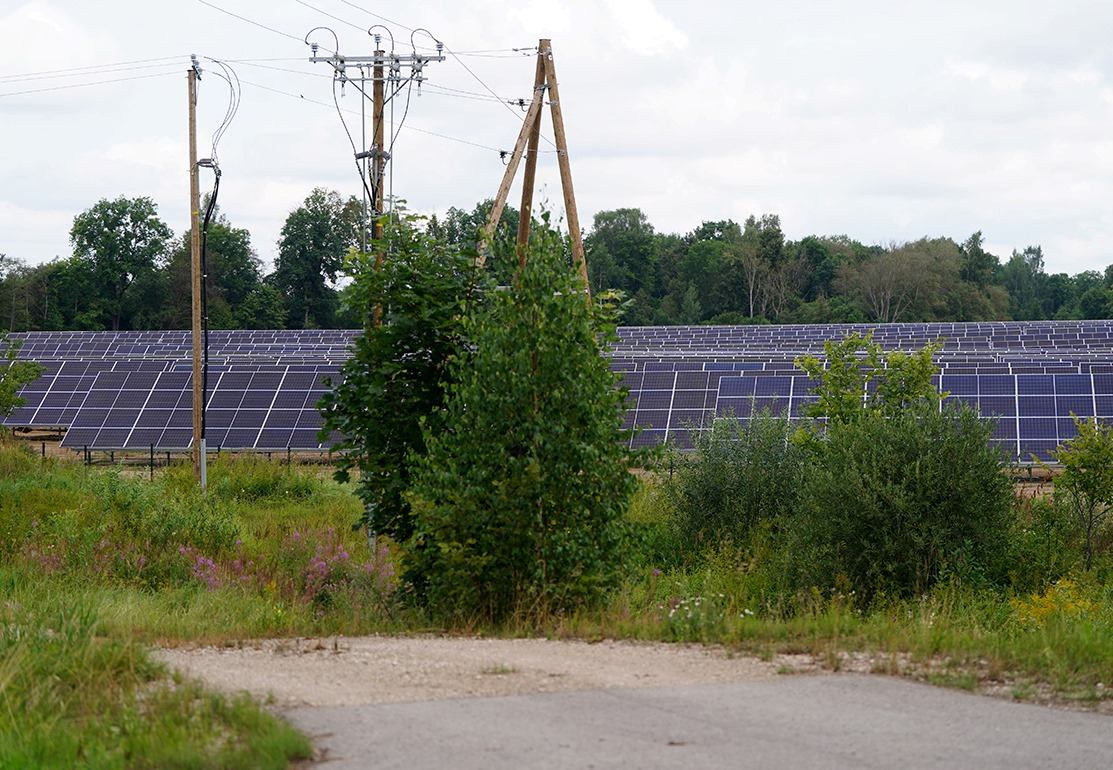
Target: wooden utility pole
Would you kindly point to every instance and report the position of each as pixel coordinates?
(544, 81)
(378, 168)
(378, 161)
(195, 262)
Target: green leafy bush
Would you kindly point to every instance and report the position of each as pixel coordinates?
(412, 308)
(740, 475)
(1043, 544)
(891, 503)
(1086, 484)
(518, 503)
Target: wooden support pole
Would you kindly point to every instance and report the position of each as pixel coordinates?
(378, 165)
(379, 160)
(529, 175)
(546, 53)
(532, 116)
(195, 262)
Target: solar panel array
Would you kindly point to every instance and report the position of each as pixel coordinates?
(133, 390)
(1030, 376)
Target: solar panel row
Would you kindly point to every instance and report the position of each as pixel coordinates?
(133, 389)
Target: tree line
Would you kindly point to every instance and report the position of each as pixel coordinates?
(129, 271)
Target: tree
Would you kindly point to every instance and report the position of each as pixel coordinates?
(517, 504)
(14, 374)
(314, 241)
(978, 265)
(234, 274)
(1024, 278)
(394, 382)
(621, 252)
(464, 231)
(1086, 480)
(902, 381)
(900, 489)
(117, 242)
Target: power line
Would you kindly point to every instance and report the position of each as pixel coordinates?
(377, 16)
(92, 69)
(302, 98)
(249, 21)
(251, 63)
(330, 15)
(86, 85)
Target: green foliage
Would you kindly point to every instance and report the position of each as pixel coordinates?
(859, 378)
(314, 241)
(73, 698)
(517, 504)
(1043, 544)
(115, 244)
(892, 502)
(14, 374)
(1086, 481)
(258, 479)
(740, 475)
(398, 371)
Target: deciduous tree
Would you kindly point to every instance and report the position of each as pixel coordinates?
(116, 243)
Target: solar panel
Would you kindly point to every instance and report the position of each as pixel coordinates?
(264, 384)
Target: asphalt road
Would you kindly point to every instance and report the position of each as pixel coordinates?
(790, 722)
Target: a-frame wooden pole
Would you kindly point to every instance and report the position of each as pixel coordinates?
(529, 175)
(532, 116)
(544, 82)
(565, 167)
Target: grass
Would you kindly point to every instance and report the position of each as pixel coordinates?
(95, 564)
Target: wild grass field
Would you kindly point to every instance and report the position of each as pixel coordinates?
(98, 564)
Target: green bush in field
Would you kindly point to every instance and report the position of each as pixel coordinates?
(1085, 485)
(892, 503)
(393, 388)
(740, 475)
(518, 504)
(1043, 545)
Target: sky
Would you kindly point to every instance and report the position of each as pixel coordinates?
(885, 122)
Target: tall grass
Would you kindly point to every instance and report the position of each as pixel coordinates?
(71, 696)
(95, 563)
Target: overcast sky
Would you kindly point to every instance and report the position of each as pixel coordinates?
(882, 121)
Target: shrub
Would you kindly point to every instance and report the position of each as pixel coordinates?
(517, 504)
(740, 475)
(411, 307)
(891, 503)
(1086, 483)
(1043, 546)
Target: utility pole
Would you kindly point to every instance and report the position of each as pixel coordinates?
(380, 158)
(195, 262)
(385, 67)
(545, 81)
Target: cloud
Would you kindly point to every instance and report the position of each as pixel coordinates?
(643, 30)
(40, 38)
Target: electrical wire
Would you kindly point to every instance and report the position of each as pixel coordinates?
(96, 69)
(249, 21)
(377, 16)
(330, 15)
(279, 69)
(86, 85)
(351, 140)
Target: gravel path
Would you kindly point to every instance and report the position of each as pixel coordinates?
(347, 671)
